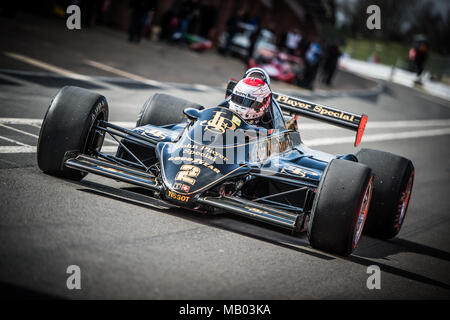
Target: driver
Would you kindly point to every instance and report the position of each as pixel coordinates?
(251, 98)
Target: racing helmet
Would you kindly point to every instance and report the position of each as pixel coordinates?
(250, 99)
(258, 73)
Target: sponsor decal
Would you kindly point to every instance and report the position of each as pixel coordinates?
(182, 187)
(218, 124)
(154, 133)
(203, 152)
(335, 114)
(316, 108)
(294, 170)
(195, 161)
(289, 101)
(178, 197)
(297, 171)
(236, 120)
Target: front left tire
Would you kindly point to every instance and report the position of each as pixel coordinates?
(68, 127)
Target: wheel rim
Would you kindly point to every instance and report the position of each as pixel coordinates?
(95, 137)
(362, 215)
(404, 200)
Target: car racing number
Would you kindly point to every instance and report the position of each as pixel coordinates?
(188, 173)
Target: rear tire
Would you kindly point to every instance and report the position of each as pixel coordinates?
(393, 182)
(67, 126)
(162, 109)
(340, 207)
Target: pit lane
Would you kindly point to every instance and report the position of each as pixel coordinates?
(127, 247)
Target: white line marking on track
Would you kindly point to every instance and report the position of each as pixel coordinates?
(38, 122)
(122, 73)
(35, 125)
(201, 87)
(110, 140)
(304, 126)
(136, 77)
(379, 137)
(20, 131)
(313, 142)
(17, 149)
(109, 149)
(54, 69)
(13, 79)
(382, 124)
(125, 124)
(14, 141)
(33, 149)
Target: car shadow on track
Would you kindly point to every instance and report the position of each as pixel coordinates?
(398, 245)
(225, 221)
(398, 272)
(15, 292)
(267, 233)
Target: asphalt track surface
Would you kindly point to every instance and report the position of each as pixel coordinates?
(126, 248)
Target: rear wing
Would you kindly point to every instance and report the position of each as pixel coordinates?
(316, 111)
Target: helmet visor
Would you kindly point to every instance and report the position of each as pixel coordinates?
(246, 102)
(258, 74)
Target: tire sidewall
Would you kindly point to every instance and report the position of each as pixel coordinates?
(163, 109)
(391, 176)
(339, 241)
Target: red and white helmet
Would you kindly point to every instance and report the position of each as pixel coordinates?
(250, 99)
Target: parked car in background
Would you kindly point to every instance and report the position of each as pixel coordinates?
(278, 65)
(241, 42)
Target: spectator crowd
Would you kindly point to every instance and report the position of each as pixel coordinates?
(195, 23)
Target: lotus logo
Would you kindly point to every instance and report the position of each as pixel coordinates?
(218, 124)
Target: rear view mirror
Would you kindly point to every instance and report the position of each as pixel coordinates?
(191, 113)
(230, 86)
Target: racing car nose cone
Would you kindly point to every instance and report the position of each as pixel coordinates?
(192, 169)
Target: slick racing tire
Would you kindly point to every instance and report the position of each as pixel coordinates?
(340, 207)
(67, 127)
(393, 182)
(162, 109)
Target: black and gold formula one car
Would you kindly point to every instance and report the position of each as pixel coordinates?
(211, 160)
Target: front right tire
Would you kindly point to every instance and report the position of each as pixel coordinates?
(340, 207)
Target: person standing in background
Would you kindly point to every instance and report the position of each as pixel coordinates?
(332, 54)
(420, 60)
(140, 10)
(293, 39)
(232, 29)
(253, 39)
(312, 60)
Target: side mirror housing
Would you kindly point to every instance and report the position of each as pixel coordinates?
(191, 113)
(230, 86)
